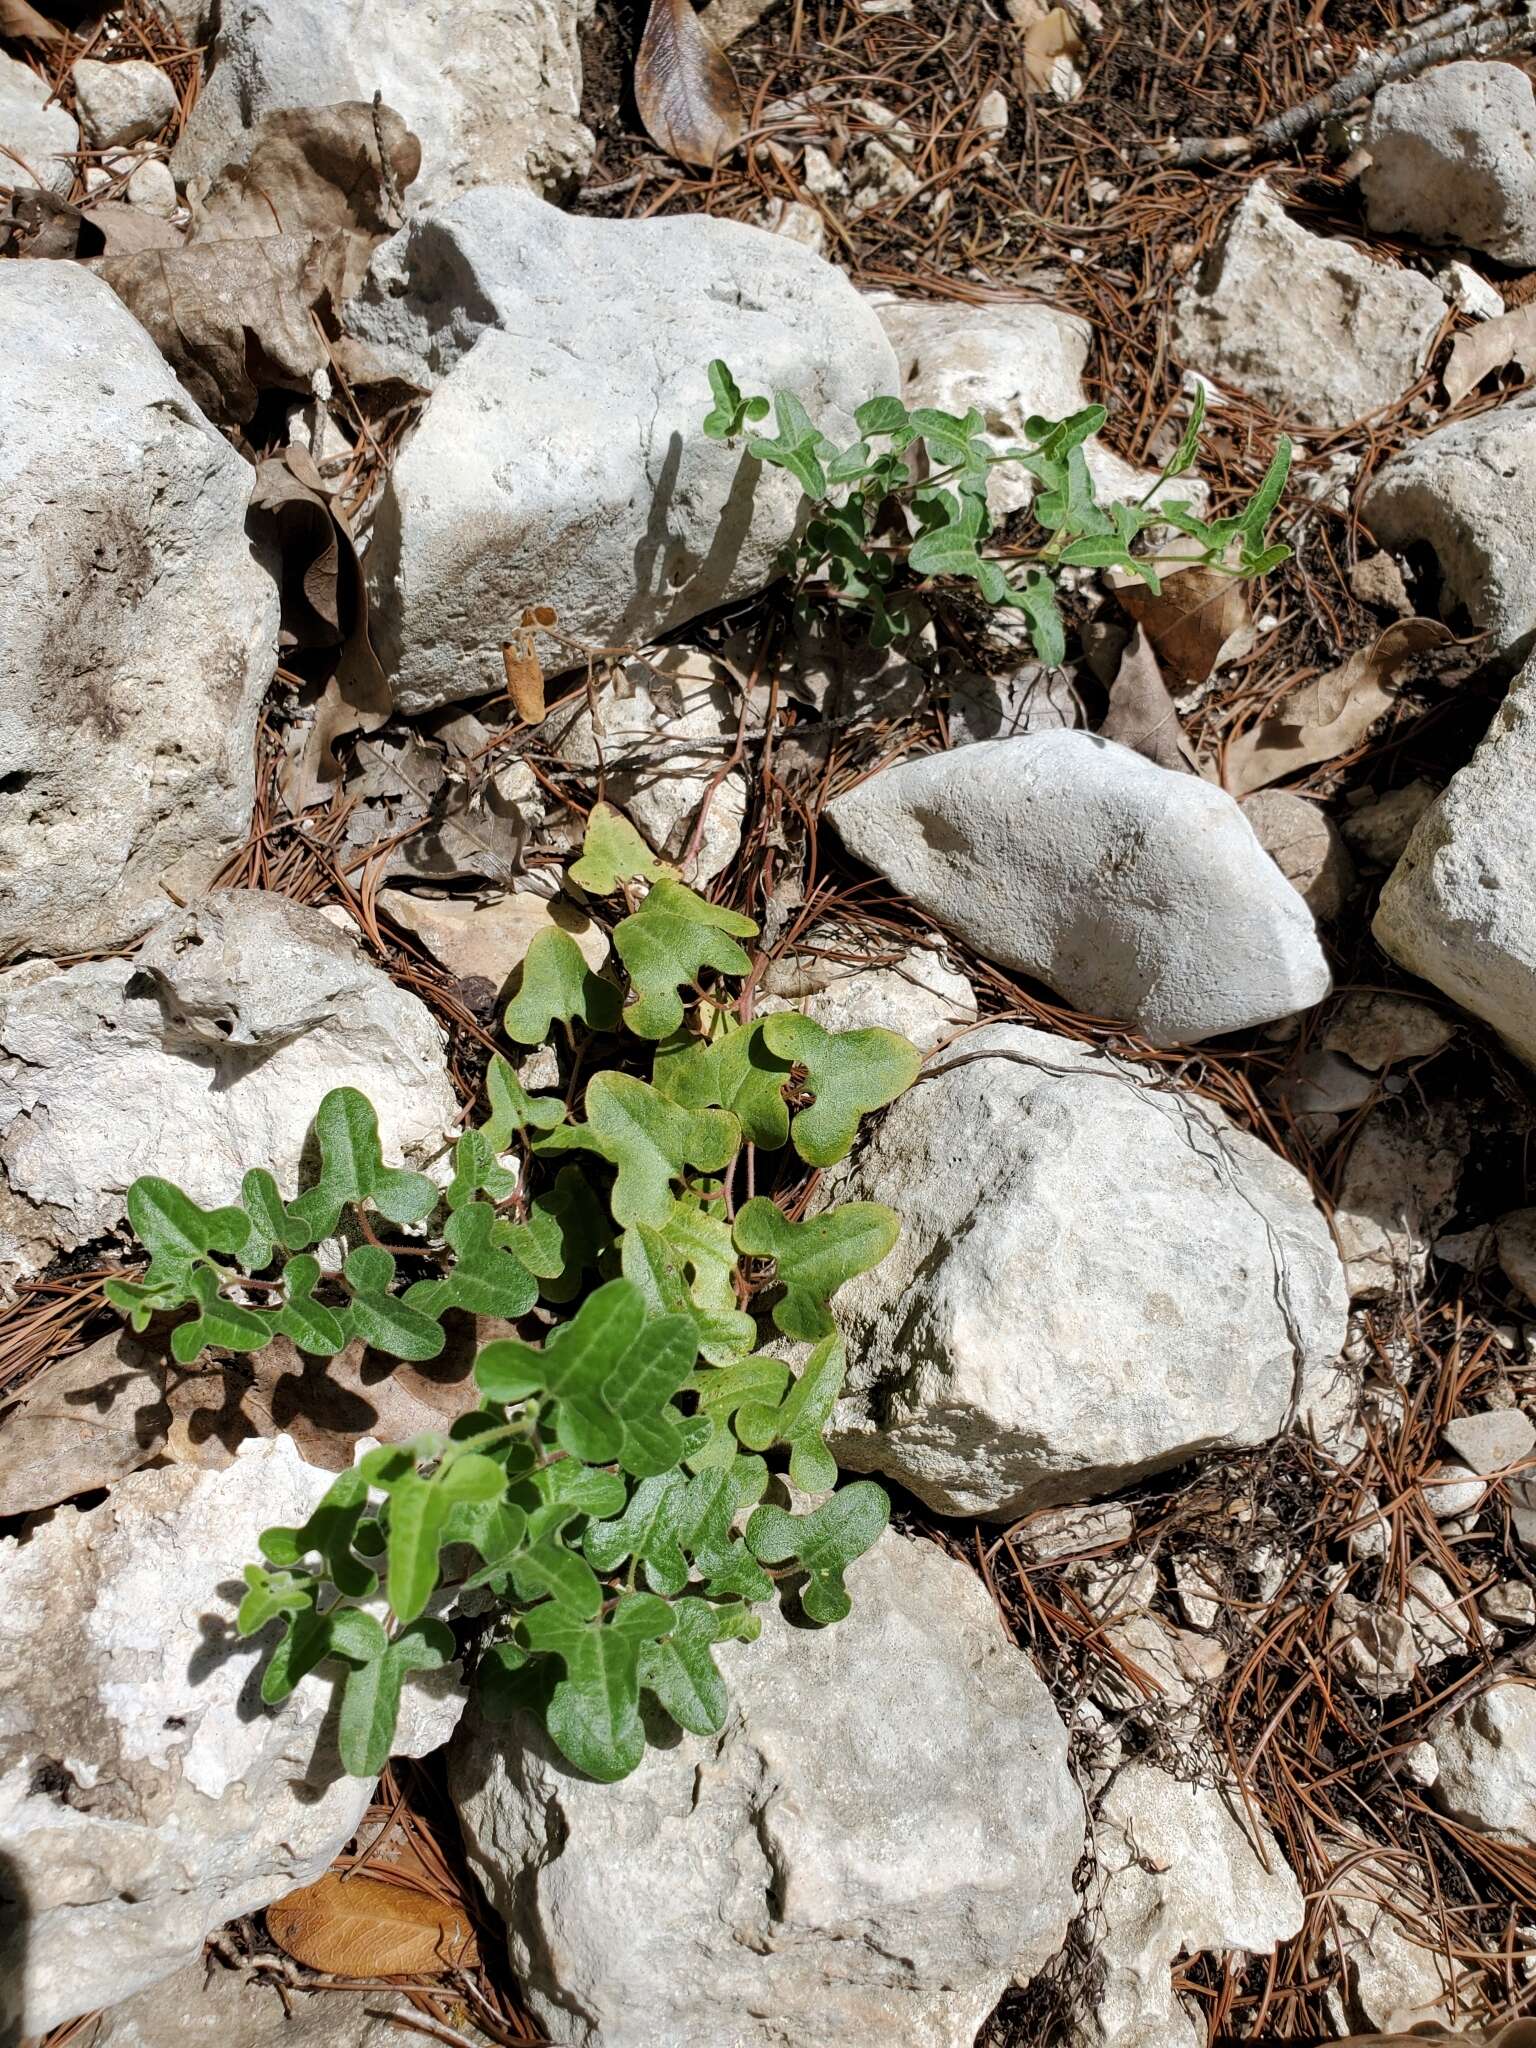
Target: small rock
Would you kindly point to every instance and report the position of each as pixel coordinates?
(152, 189)
(489, 939)
(1390, 1982)
(1516, 1238)
(1200, 1597)
(880, 176)
(1086, 1288)
(1376, 579)
(1510, 1604)
(1306, 847)
(124, 102)
(1397, 1191)
(919, 996)
(1443, 1625)
(41, 133)
(1114, 1588)
(1453, 159)
(1034, 699)
(1492, 1441)
(880, 1841)
(213, 2006)
(146, 1796)
(1451, 1488)
(1469, 490)
(1067, 1532)
(1460, 907)
(1309, 326)
(1319, 1089)
(1132, 891)
(1378, 830)
(1178, 1875)
(1372, 1535)
(1469, 293)
(84, 1422)
(820, 176)
(1487, 1757)
(1420, 1766)
(1376, 1030)
(1376, 1646)
(797, 222)
(991, 115)
(1176, 1661)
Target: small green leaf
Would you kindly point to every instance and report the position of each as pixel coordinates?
(1036, 598)
(485, 1279)
(798, 447)
(671, 1517)
(799, 1419)
(884, 415)
(370, 1700)
(344, 1634)
(223, 1324)
(273, 1223)
(329, 1534)
(824, 1542)
(1189, 446)
(756, 1381)
(613, 853)
(679, 1669)
(513, 1109)
(850, 1073)
(270, 1594)
(377, 1317)
(664, 945)
(593, 1715)
(352, 1169)
(815, 1258)
(724, 420)
(555, 982)
(176, 1232)
(308, 1323)
(418, 1515)
(653, 1142)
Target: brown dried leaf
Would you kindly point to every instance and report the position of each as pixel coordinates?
(1141, 713)
(1492, 345)
(1331, 714)
(84, 1422)
(524, 670)
(18, 19)
(685, 88)
(312, 170)
(364, 1927)
(1198, 619)
(128, 230)
(1046, 42)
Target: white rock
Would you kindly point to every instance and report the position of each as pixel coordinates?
(1453, 159)
(1011, 361)
(1443, 1625)
(1375, 1645)
(991, 115)
(1200, 1595)
(658, 752)
(1114, 1588)
(881, 176)
(1460, 907)
(1376, 1029)
(1396, 1192)
(1309, 326)
(1469, 490)
(1487, 1756)
(1305, 844)
(1096, 1279)
(489, 939)
(1469, 293)
(138, 632)
(1377, 830)
(1066, 1532)
(1168, 1667)
(146, 1796)
(32, 129)
(1177, 1875)
(1320, 1088)
(918, 996)
(1420, 1766)
(560, 462)
(1451, 1488)
(1390, 1981)
(82, 1422)
(120, 103)
(796, 222)
(881, 1839)
(492, 87)
(204, 1055)
(152, 189)
(1132, 891)
(1510, 1604)
(1492, 1441)
(216, 2007)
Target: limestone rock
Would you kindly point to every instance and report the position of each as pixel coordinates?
(1305, 845)
(1460, 907)
(487, 940)
(38, 132)
(1397, 1192)
(560, 463)
(1453, 159)
(215, 2007)
(918, 995)
(1096, 1279)
(1377, 831)
(85, 1421)
(1376, 1029)
(1132, 891)
(1311, 327)
(138, 633)
(881, 1839)
(1390, 1982)
(204, 1055)
(120, 103)
(1177, 1875)
(146, 1796)
(1493, 1440)
(1487, 1757)
(492, 87)
(1469, 490)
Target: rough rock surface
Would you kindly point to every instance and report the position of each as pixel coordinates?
(1453, 159)
(881, 1839)
(1312, 328)
(1376, 1029)
(1178, 1874)
(1487, 1757)
(1095, 1279)
(1397, 1192)
(918, 995)
(1460, 906)
(492, 87)
(138, 633)
(1307, 848)
(562, 462)
(1469, 490)
(122, 103)
(1130, 890)
(1389, 1981)
(33, 130)
(145, 1794)
(218, 2008)
(205, 1054)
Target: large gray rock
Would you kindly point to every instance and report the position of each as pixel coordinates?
(1132, 891)
(1097, 1277)
(1459, 908)
(491, 87)
(146, 1795)
(40, 135)
(1178, 1874)
(1453, 159)
(879, 1842)
(138, 633)
(219, 2007)
(562, 459)
(1469, 490)
(1311, 327)
(205, 1054)
(1486, 1754)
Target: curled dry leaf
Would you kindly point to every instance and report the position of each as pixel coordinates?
(1330, 715)
(520, 659)
(1197, 621)
(685, 88)
(1494, 345)
(18, 19)
(1053, 50)
(1141, 713)
(363, 1927)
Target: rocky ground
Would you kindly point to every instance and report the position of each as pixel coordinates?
(1190, 1696)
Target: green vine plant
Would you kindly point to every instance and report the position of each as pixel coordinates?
(604, 1502)
(903, 509)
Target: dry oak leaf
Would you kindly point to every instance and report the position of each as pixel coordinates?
(685, 88)
(1198, 620)
(1141, 713)
(363, 1927)
(1494, 345)
(1330, 715)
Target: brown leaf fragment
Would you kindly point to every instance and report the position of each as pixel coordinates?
(37, 224)
(1492, 345)
(685, 88)
(365, 1927)
(1199, 619)
(1331, 714)
(524, 670)
(1141, 713)
(18, 19)
(85, 1421)
(311, 170)
(1053, 50)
